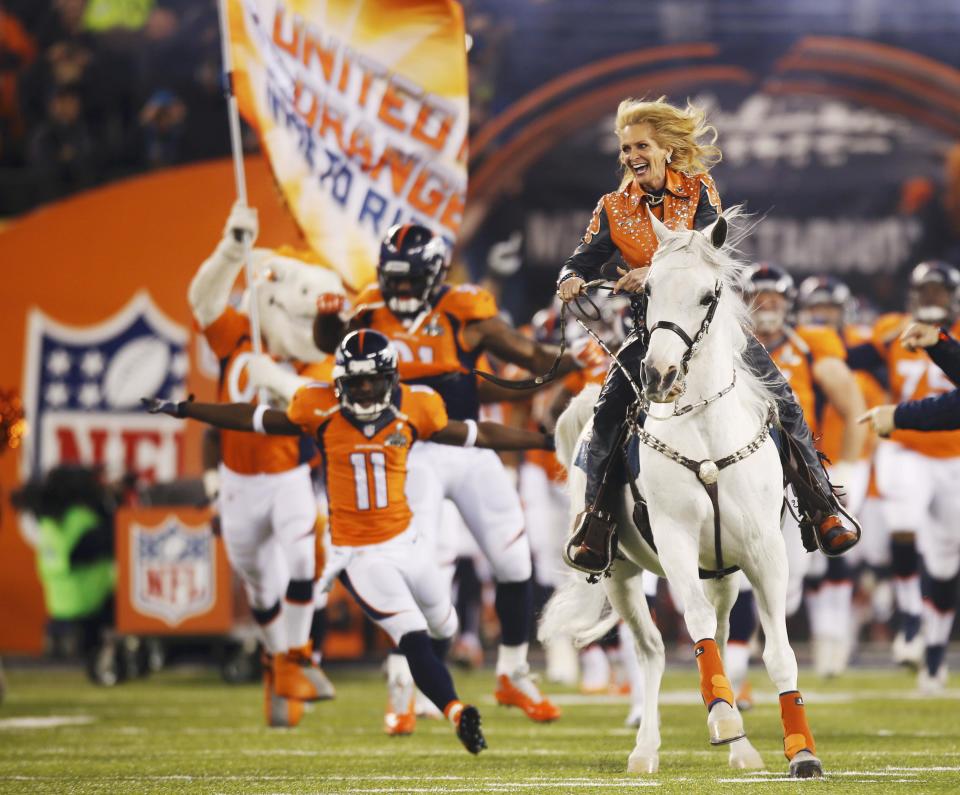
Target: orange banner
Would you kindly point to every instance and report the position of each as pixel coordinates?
(361, 107)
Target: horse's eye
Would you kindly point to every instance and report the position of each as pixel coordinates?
(707, 299)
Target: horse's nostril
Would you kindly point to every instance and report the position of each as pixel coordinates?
(648, 374)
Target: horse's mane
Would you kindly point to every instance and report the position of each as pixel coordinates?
(732, 310)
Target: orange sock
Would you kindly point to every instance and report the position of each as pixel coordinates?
(452, 711)
(714, 685)
(796, 733)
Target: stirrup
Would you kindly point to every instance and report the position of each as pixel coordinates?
(813, 540)
(592, 546)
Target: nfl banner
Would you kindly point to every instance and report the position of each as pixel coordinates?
(361, 108)
(172, 573)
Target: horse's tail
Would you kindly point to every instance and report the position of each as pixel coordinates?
(577, 610)
(571, 423)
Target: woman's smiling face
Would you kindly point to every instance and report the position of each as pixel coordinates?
(643, 156)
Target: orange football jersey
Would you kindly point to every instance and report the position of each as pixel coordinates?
(914, 376)
(250, 453)
(366, 463)
(831, 425)
(795, 356)
(575, 382)
(435, 353)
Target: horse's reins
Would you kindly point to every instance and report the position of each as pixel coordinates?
(551, 374)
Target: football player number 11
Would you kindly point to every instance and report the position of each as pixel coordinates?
(378, 465)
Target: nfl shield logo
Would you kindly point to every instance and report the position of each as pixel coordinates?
(82, 390)
(173, 570)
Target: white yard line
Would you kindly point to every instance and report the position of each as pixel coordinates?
(44, 721)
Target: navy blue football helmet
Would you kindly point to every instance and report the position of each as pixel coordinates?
(365, 373)
(412, 266)
(929, 304)
(824, 301)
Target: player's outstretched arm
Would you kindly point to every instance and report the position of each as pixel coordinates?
(508, 344)
(491, 435)
(229, 416)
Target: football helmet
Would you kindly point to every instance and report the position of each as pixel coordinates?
(824, 301)
(365, 373)
(413, 263)
(763, 277)
(934, 292)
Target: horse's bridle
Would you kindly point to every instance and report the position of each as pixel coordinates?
(694, 343)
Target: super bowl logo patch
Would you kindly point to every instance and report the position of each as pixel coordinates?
(173, 570)
(397, 438)
(433, 328)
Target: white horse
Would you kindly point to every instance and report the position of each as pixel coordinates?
(698, 334)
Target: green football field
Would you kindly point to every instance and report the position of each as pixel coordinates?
(186, 731)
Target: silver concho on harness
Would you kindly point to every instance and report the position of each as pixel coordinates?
(708, 472)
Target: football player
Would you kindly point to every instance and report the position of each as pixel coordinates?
(365, 424)
(440, 331)
(918, 472)
(812, 359)
(824, 300)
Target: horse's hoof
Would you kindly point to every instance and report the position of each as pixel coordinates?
(743, 756)
(805, 765)
(724, 724)
(643, 764)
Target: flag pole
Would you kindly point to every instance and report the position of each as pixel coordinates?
(239, 176)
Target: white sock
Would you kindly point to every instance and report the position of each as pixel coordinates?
(837, 610)
(398, 670)
(511, 659)
(298, 617)
(906, 590)
(274, 634)
(736, 661)
(936, 625)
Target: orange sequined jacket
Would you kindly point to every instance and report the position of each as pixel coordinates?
(620, 223)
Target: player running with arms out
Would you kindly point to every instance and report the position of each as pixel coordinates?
(440, 331)
(365, 425)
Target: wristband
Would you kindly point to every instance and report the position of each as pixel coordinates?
(258, 413)
(471, 439)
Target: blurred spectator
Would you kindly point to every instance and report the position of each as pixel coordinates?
(17, 50)
(74, 512)
(61, 148)
(106, 15)
(162, 120)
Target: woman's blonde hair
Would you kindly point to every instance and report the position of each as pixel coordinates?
(673, 128)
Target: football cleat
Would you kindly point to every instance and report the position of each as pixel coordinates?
(399, 724)
(280, 713)
(519, 690)
(932, 684)
(295, 676)
(908, 653)
(469, 732)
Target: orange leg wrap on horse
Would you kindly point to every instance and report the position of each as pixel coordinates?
(796, 732)
(714, 685)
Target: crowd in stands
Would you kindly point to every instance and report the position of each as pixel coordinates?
(93, 90)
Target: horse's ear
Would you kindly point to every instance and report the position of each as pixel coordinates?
(660, 229)
(717, 232)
